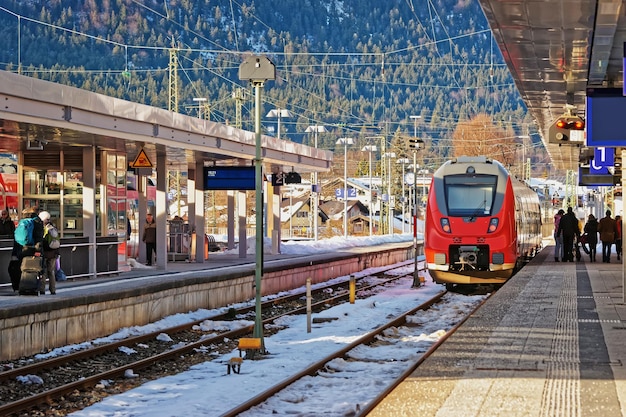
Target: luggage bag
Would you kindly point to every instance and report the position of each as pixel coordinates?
(32, 272)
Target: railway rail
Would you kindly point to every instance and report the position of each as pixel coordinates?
(31, 389)
(265, 403)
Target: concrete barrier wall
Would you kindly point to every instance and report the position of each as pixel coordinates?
(86, 318)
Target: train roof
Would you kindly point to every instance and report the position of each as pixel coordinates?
(458, 166)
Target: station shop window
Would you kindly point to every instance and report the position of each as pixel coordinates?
(116, 195)
(60, 191)
(9, 184)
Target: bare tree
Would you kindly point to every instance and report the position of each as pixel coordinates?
(481, 137)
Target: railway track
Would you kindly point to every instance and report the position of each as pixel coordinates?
(33, 388)
(331, 368)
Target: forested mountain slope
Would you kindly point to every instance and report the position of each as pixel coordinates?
(358, 67)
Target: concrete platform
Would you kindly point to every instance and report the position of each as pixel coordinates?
(551, 342)
(87, 309)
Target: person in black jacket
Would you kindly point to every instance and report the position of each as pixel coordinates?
(149, 238)
(607, 227)
(568, 229)
(7, 227)
(591, 229)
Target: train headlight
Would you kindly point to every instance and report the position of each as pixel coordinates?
(493, 225)
(445, 225)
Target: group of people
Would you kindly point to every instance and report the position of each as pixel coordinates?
(41, 224)
(567, 235)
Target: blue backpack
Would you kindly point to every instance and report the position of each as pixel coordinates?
(24, 232)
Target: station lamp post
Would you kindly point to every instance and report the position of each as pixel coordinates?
(370, 149)
(403, 161)
(345, 142)
(315, 192)
(415, 144)
(258, 70)
(279, 113)
(389, 156)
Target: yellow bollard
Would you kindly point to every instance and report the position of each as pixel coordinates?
(352, 289)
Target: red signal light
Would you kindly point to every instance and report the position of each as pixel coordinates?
(570, 123)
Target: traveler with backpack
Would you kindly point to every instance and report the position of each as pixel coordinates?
(28, 236)
(27, 250)
(51, 244)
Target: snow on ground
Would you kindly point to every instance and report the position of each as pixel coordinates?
(207, 390)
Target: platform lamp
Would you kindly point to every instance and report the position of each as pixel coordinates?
(415, 145)
(403, 161)
(279, 113)
(258, 70)
(370, 149)
(389, 156)
(345, 142)
(315, 187)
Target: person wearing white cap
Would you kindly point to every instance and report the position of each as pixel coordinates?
(50, 253)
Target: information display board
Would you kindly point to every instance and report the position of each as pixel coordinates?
(229, 178)
(606, 108)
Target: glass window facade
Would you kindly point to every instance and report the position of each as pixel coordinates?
(60, 192)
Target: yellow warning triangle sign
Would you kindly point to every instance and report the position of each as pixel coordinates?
(142, 160)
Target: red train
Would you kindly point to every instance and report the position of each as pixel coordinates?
(481, 225)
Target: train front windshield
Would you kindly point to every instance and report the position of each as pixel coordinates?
(470, 196)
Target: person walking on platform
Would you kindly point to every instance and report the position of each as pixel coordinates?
(591, 229)
(50, 253)
(568, 230)
(7, 227)
(558, 240)
(607, 227)
(149, 238)
(618, 237)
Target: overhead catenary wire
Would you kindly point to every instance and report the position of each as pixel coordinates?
(386, 61)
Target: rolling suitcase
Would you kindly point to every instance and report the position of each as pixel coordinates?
(32, 272)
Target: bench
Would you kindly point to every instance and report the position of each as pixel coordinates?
(212, 245)
(251, 345)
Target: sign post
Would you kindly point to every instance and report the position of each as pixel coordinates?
(258, 70)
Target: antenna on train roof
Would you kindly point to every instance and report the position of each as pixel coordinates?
(471, 159)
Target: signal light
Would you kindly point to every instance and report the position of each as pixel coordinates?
(416, 143)
(571, 123)
(493, 225)
(567, 128)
